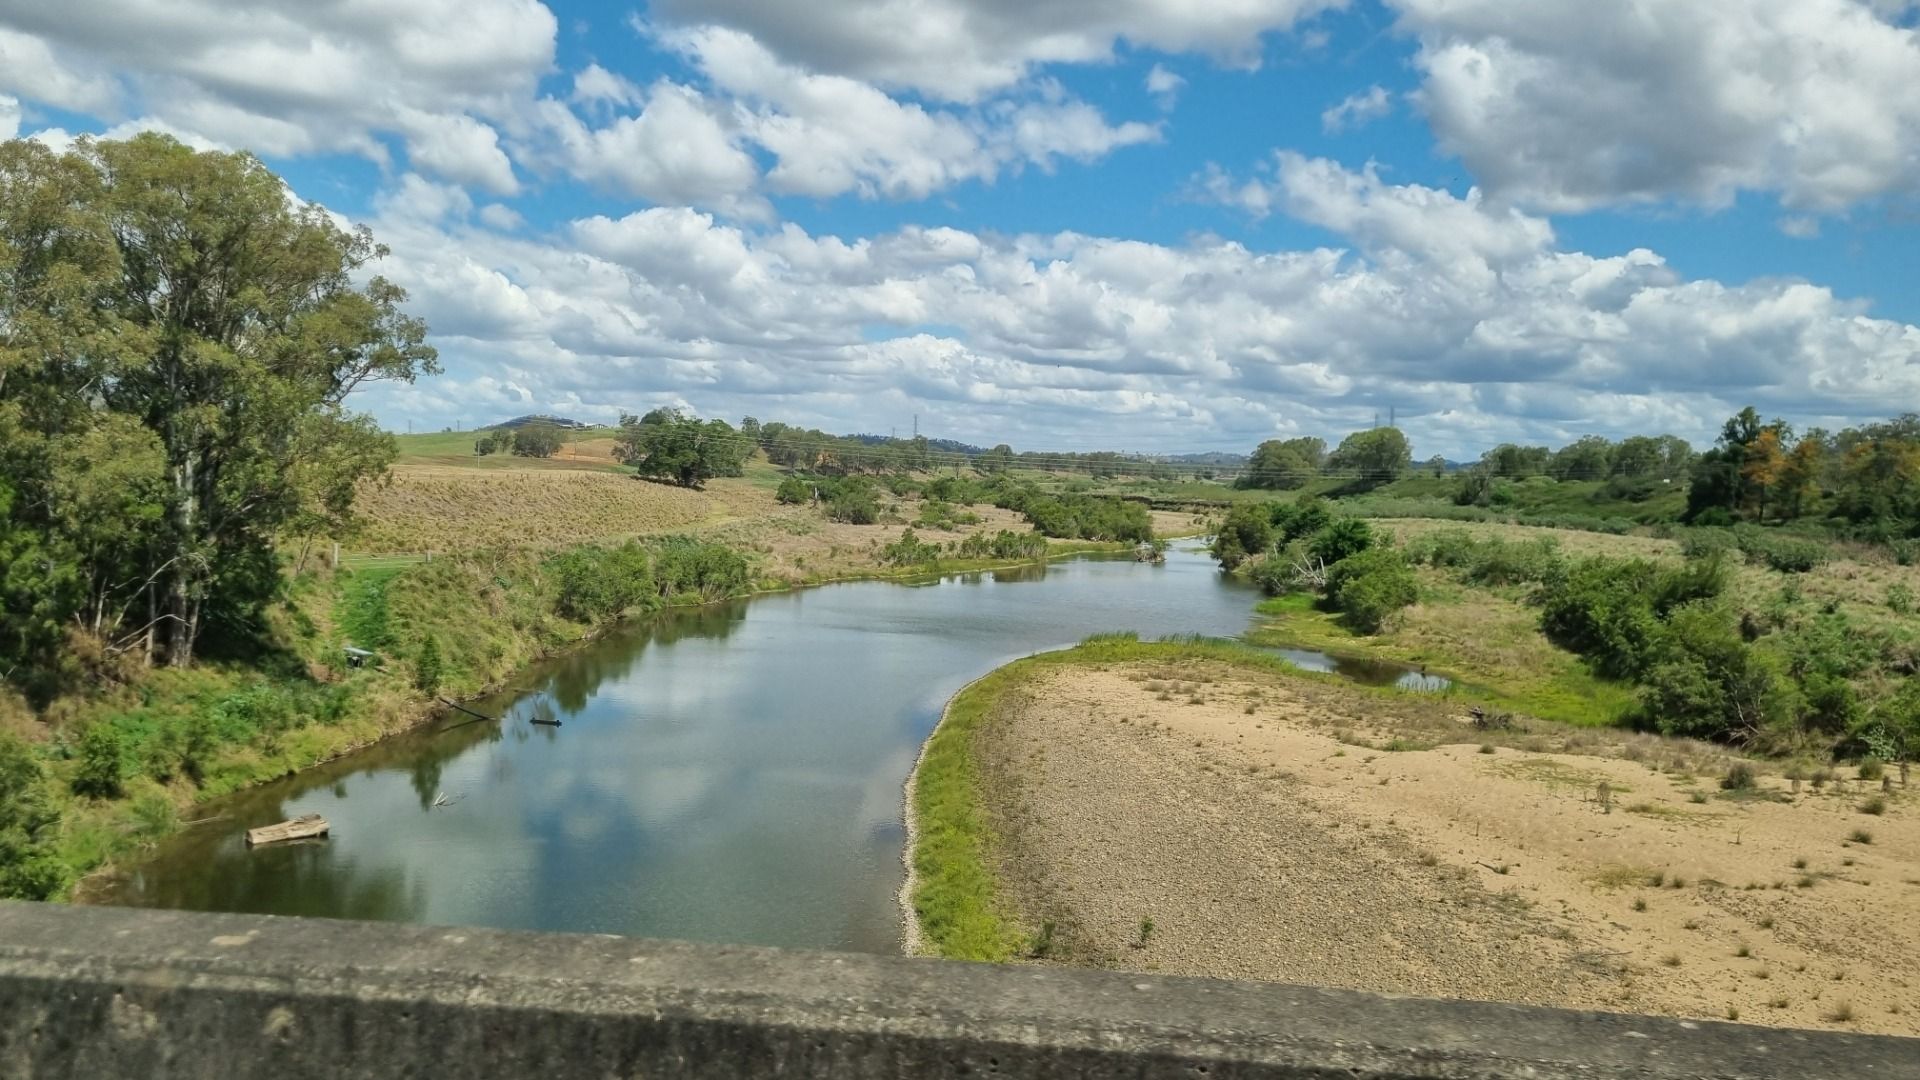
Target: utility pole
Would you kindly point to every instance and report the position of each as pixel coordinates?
(916, 425)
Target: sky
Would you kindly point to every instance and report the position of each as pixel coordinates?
(1146, 225)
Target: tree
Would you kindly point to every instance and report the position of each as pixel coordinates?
(1342, 538)
(997, 460)
(1513, 461)
(1248, 531)
(1370, 587)
(536, 440)
(1437, 465)
(188, 293)
(682, 449)
(1765, 464)
(1589, 457)
(1283, 466)
(1374, 456)
(1719, 483)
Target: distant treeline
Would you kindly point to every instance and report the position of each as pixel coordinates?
(1862, 481)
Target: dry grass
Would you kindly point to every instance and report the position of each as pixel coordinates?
(442, 508)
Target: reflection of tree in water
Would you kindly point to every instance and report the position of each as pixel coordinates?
(572, 679)
(301, 878)
(1017, 574)
(712, 621)
(425, 777)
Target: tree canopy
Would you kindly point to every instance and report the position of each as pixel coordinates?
(1376, 455)
(668, 445)
(178, 340)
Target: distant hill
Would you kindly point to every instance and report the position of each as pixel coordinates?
(1211, 457)
(541, 418)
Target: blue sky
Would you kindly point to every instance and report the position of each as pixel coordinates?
(1074, 223)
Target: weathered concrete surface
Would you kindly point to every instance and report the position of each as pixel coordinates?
(102, 992)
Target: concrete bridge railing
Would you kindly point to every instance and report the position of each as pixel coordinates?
(103, 993)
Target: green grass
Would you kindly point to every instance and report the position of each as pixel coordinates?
(955, 896)
(1490, 644)
(362, 610)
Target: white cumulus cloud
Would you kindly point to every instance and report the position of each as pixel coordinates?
(1568, 105)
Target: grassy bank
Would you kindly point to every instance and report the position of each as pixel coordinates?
(1488, 643)
(125, 770)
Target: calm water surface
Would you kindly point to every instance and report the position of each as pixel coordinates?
(727, 774)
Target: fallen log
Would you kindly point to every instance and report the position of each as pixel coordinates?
(300, 828)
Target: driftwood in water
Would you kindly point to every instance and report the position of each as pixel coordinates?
(300, 828)
(484, 716)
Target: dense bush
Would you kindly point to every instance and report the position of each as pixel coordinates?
(1794, 556)
(1704, 681)
(1370, 586)
(106, 760)
(1005, 544)
(935, 514)
(1490, 561)
(794, 491)
(595, 584)
(536, 440)
(683, 566)
(1089, 517)
(910, 550)
(1247, 532)
(1611, 610)
(853, 504)
(1341, 539)
(1304, 518)
(960, 490)
(29, 818)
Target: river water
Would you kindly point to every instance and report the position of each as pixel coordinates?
(730, 773)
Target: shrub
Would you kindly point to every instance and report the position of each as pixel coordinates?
(105, 762)
(536, 440)
(1341, 539)
(1900, 600)
(1740, 777)
(794, 491)
(1872, 769)
(853, 505)
(1370, 587)
(29, 869)
(1307, 516)
(910, 550)
(1248, 531)
(1707, 683)
(427, 668)
(1794, 556)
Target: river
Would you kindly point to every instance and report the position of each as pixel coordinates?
(729, 773)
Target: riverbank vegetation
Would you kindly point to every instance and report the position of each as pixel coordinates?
(1268, 824)
(1733, 635)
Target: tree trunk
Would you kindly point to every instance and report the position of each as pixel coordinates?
(180, 588)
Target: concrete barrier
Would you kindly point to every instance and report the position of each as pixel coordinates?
(160, 995)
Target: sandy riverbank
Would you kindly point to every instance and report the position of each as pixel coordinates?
(1262, 825)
